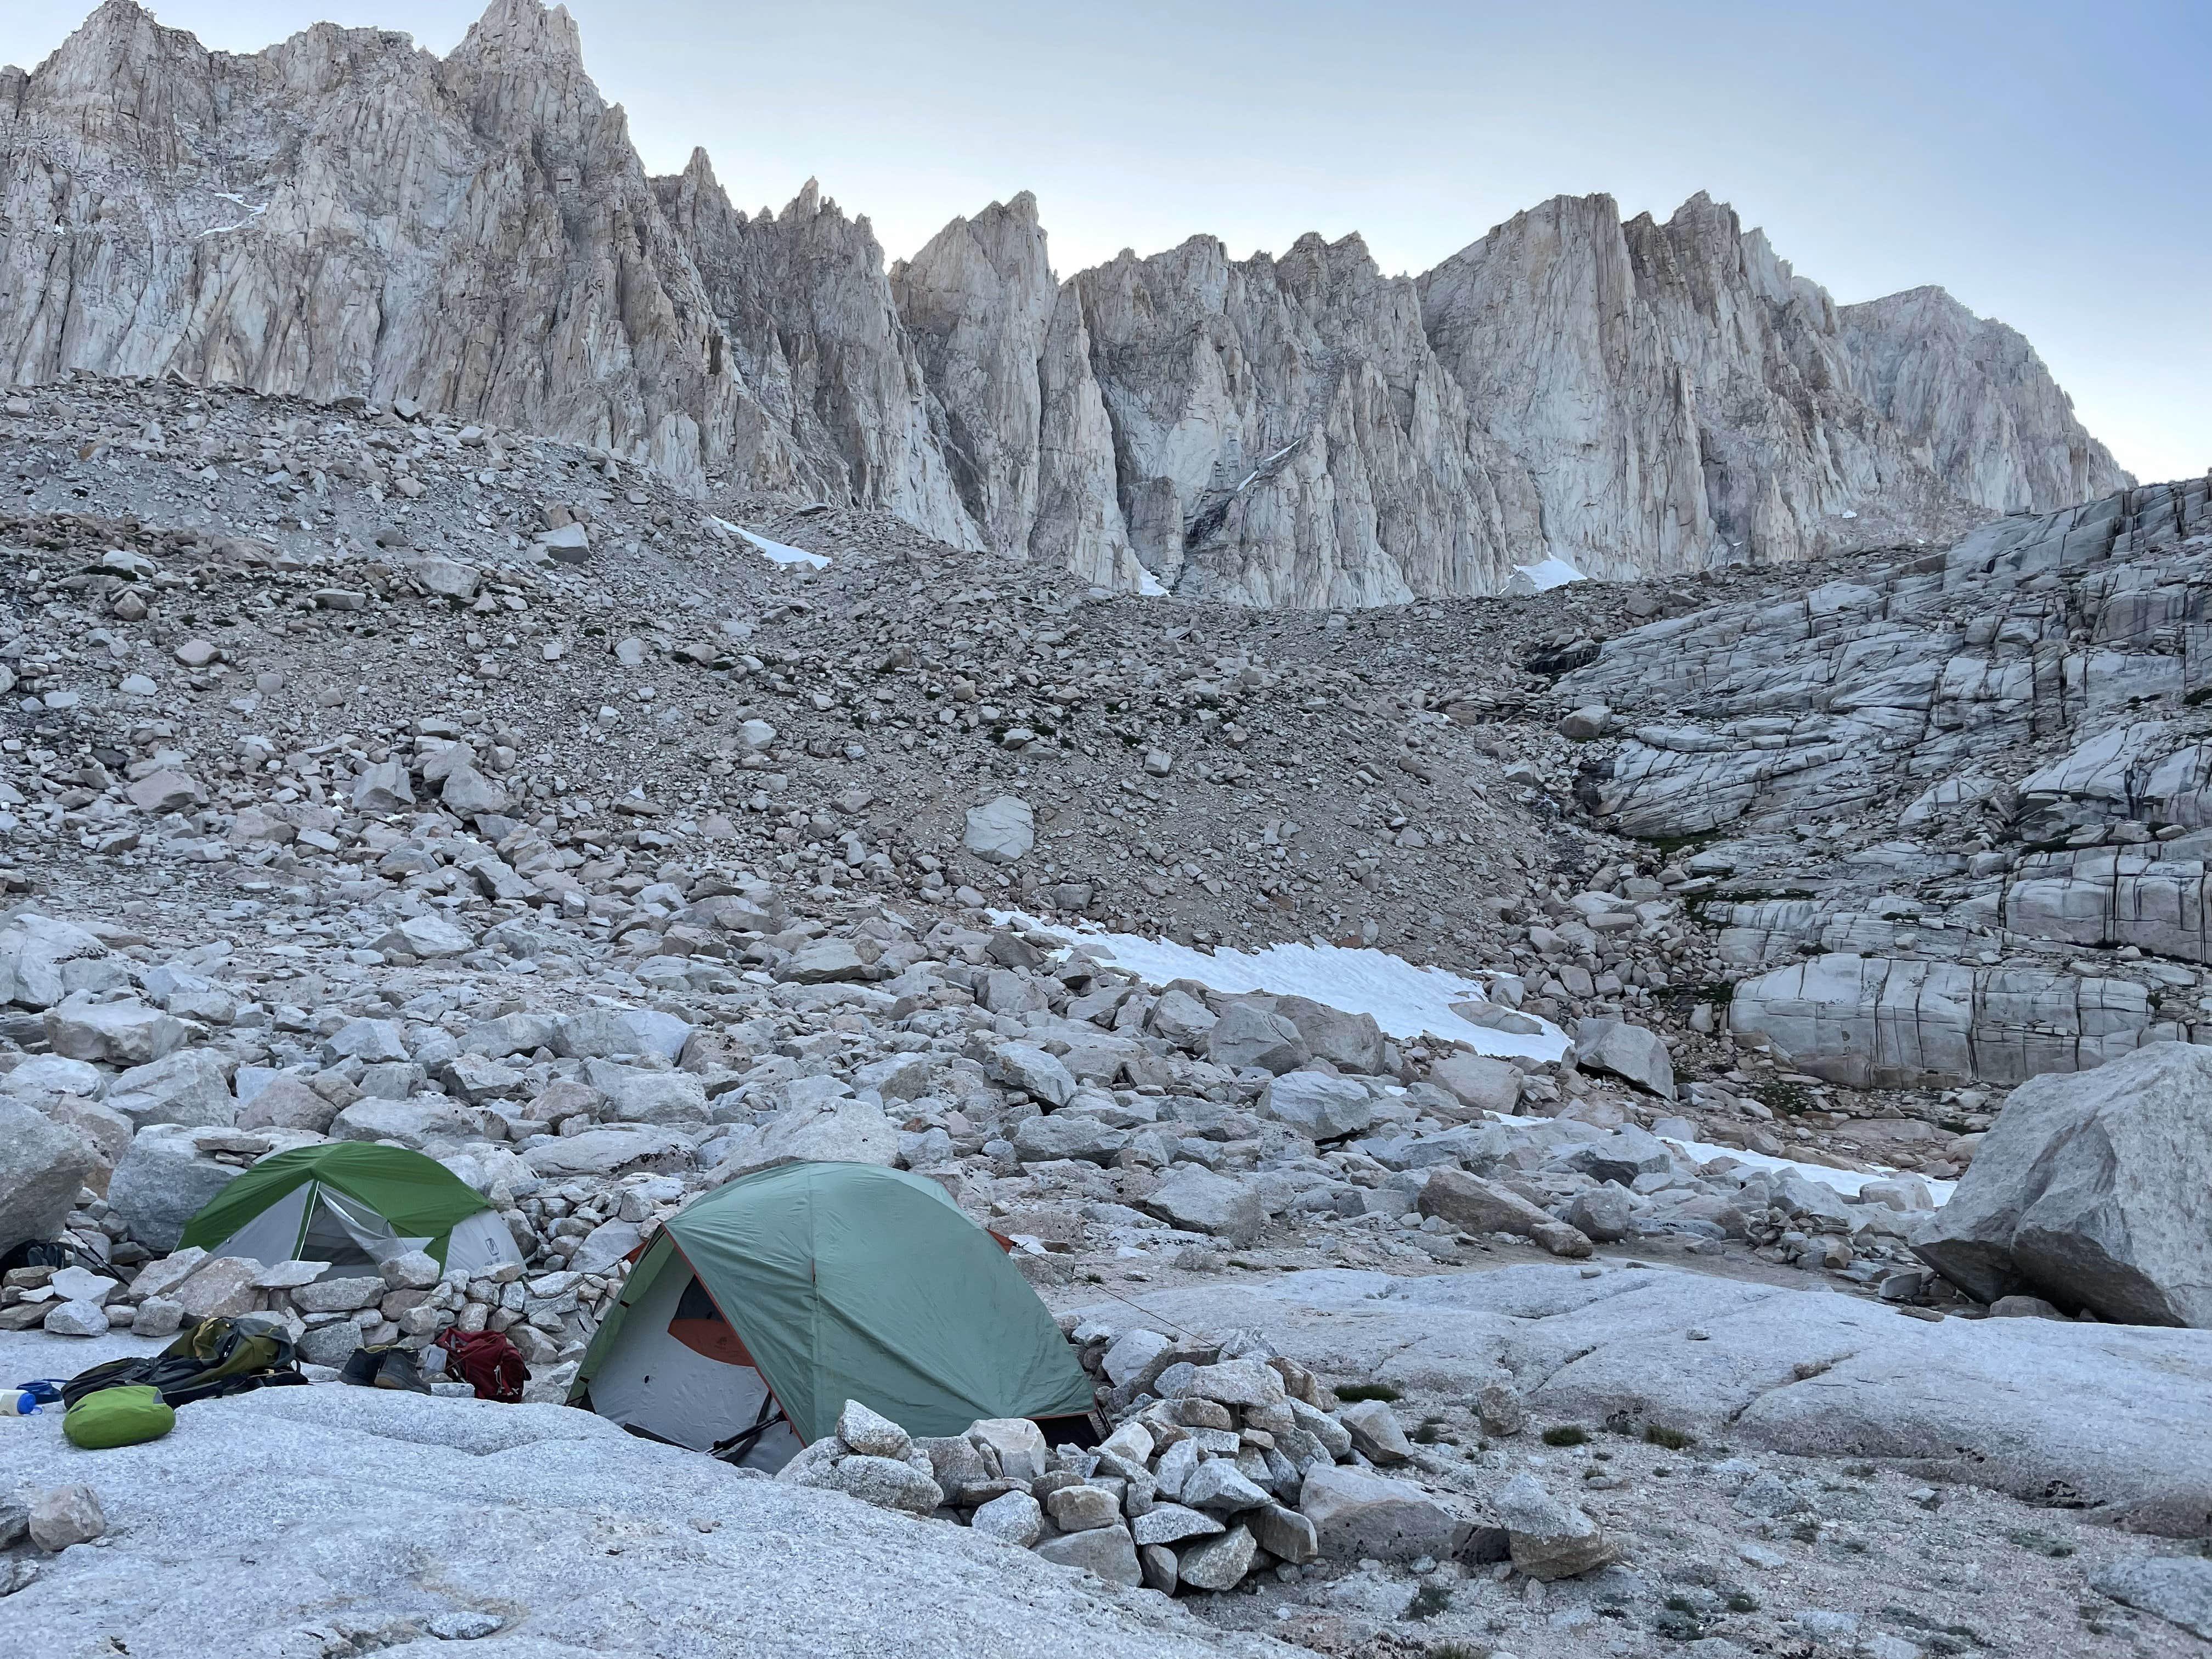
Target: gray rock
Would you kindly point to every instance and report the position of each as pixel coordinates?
(1622, 1156)
(37, 953)
(1030, 1069)
(1284, 1534)
(1318, 1106)
(1172, 1523)
(2176, 1588)
(889, 1483)
(429, 939)
(338, 1294)
(1350, 1043)
(188, 1087)
(1626, 1051)
(1048, 1137)
(63, 1515)
(635, 1094)
(837, 1131)
(1477, 1082)
(1246, 1036)
(1217, 1564)
(2089, 1191)
(42, 1168)
(75, 1319)
(1001, 831)
(1014, 1444)
(162, 1183)
(1375, 1431)
(870, 1433)
(1217, 1484)
(1549, 1539)
(1201, 1201)
(286, 1102)
(1012, 1516)
(1605, 1215)
(1107, 1552)
(423, 1123)
(593, 1034)
(1355, 1514)
(609, 1153)
(1078, 1508)
(384, 787)
(827, 961)
(120, 1033)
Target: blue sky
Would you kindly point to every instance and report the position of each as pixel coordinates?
(2048, 163)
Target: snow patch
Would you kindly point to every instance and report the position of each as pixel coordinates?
(776, 552)
(1406, 1002)
(1148, 585)
(252, 212)
(1847, 1181)
(1542, 576)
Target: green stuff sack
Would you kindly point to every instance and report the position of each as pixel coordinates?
(118, 1417)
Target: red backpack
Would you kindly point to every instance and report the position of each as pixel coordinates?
(487, 1362)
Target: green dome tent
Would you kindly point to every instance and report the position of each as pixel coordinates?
(806, 1284)
(351, 1203)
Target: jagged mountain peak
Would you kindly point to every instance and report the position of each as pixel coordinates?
(477, 233)
(523, 30)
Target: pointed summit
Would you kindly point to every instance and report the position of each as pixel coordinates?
(521, 29)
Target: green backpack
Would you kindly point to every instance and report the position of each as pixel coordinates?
(118, 1417)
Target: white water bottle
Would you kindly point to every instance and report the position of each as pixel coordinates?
(20, 1402)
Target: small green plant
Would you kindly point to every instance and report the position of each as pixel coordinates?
(2043, 1544)
(1657, 1434)
(1455, 1650)
(1566, 1434)
(1742, 1602)
(1860, 1471)
(1430, 1432)
(1806, 1532)
(1428, 1602)
(1348, 1392)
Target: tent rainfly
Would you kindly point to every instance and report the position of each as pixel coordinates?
(763, 1306)
(352, 1204)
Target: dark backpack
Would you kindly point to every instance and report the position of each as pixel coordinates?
(210, 1358)
(487, 1362)
(51, 1252)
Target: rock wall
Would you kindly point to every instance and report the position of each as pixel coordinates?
(344, 215)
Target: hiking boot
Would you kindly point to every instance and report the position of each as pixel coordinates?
(360, 1366)
(399, 1371)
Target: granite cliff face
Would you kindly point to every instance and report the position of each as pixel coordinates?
(344, 215)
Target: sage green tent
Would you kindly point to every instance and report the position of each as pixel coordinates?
(352, 1204)
(807, 1285)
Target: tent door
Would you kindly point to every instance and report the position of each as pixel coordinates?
(683, 1384)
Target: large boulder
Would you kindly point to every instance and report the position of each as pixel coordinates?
(840, 1130)
(600, 1033)
(1356, 1514)
(124, 1033)
(636, 1095)
(1350, 1043)
(2091, 1191)
(1626, 1051)
(1477, 1082)
(1001, 831)
(162, 1183)
(421, 1123)
(1201, 1201)
(1248, 1036)
(1318, 1105)
(1480, 1206)
(36, 955)
(42, 1165)
(189, 1087)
